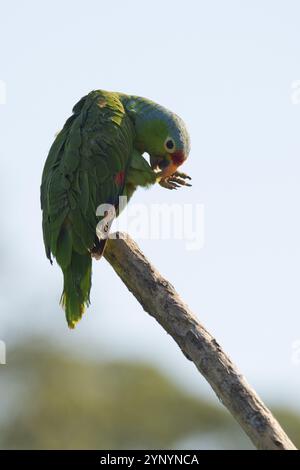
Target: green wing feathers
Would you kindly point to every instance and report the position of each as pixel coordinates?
(81, 172)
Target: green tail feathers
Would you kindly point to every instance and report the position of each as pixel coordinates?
(77, 286)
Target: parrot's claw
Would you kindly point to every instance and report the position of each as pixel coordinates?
(165, 183)
(175, 181)
(179, 181)
(182, 175)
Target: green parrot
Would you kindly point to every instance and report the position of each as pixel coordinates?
(96, 158)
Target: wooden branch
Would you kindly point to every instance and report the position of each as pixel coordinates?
(159, 298)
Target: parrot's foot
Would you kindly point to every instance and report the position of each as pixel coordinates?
(175, 181)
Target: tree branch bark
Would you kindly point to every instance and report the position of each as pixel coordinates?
(159, 298)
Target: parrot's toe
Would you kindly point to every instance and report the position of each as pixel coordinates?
(179, 181)
(166, 183)
(182, 175)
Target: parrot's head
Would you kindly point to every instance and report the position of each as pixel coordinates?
(169, 146)
(160, 133)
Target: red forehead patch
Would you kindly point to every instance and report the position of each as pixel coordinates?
(178, 157)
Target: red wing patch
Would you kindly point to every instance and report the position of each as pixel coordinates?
(120, 178)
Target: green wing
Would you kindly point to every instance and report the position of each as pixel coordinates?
(86, 166)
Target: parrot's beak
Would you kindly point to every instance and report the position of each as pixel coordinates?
(169, 164)
(168, 170)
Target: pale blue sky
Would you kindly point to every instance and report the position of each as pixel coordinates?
(226, 68)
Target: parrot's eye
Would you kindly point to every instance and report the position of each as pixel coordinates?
(169, 144)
